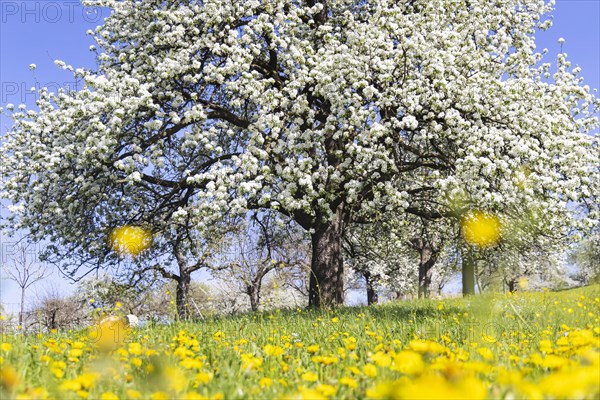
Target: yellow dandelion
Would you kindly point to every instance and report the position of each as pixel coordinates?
(160, 396)
(313, 348)
(87, 380)
(273, 350)
(437, 387)
(486, 353)
(370, 370)
(347, 381)
(133, 394)
(381, 359)
(33, 394)
(325, 360)
(194, 396)
(326, 390)
(135, 349)
(350, 343)
(75, 353)
(310, 377)
(310, 394)
(204, 377)
(57, 372)
(136, 362)
(265, 382)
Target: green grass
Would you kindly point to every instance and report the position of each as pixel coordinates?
(397, 350)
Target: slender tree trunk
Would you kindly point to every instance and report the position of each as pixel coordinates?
(327, 268)
(427, 258)
(425, 271)
(22, 307)
(440, 287)
(512, 285)
(53, 319)
(372, 296)
(468, 272)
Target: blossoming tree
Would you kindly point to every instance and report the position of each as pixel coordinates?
(327, 111)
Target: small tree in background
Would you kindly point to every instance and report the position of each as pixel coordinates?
(55, 311)
(25, 269)
(266, 248)
(586, 256)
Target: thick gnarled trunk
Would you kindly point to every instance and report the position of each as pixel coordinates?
(327, 267)
(426, 263)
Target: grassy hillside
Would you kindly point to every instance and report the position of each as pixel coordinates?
(528, 345)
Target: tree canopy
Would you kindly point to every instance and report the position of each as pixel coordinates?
(327, 111)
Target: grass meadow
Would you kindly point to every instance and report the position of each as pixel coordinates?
(523, 345)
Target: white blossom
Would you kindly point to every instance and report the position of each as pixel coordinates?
(394, 109)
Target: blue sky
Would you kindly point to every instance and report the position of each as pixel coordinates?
(39, 32)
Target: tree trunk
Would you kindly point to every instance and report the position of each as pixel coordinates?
(468, 272)
(327, 268)
(22, 310)
(181, 294)
(183, 286)
(426, 263)
(512, 285)
(53, 323)
(372, 296)
(427, 258)
(440, 287)
(253, 291)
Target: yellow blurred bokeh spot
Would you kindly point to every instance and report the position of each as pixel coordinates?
(9, 378)
(130, 240)
(481, 228)
(109, 333)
